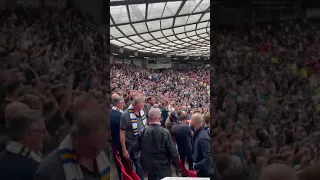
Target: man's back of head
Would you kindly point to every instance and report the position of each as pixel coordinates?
(114, 96)
(154, 115)
(197, 120)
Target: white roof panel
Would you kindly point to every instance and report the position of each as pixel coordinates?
(137, 12)
(155, 10)
(159, 27)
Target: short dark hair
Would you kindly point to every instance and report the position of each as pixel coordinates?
(182, 117)
(206, 118)
(148, 99)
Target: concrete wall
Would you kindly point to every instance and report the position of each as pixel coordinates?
(137, 62)
(159, 66)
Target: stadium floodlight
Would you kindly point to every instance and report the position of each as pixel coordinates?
(146, 57)
(115, 54)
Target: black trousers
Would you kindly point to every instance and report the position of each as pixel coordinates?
(157, 175)
(203, 174)
(186, 155)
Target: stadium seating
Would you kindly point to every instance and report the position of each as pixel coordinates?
(127, 172)
(186, 172)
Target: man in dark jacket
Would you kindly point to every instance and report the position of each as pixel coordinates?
(115, 115)
(158, 150)
(27, 129)
(201, 147)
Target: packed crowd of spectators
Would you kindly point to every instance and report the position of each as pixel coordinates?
(166, 104)
(265, 95)
(54, 88)
(183, 90)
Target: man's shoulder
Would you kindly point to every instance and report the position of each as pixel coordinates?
(181, 126)
(18, 162)
(115, 113)
(125, 112)
(164, 131)
(157, 128)
(204, 136)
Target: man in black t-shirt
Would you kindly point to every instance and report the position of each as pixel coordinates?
(182, 134)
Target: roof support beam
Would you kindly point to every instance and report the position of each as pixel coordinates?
(123, 3)
(157, 19)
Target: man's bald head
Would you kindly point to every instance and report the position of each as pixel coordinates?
(197, 119)
(278, 172)
(154, 115)
(114, 96)
(13, 108)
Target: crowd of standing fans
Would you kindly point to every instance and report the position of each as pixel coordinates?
(55, 101)
(265, 101)
(160, 119)
(54, 91)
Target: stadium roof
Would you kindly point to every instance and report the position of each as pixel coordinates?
(171, 27)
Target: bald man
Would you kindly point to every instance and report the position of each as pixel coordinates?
(157, 148)
(201, 147)
(278, 172)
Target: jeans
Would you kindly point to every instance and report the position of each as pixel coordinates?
(135, 159)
